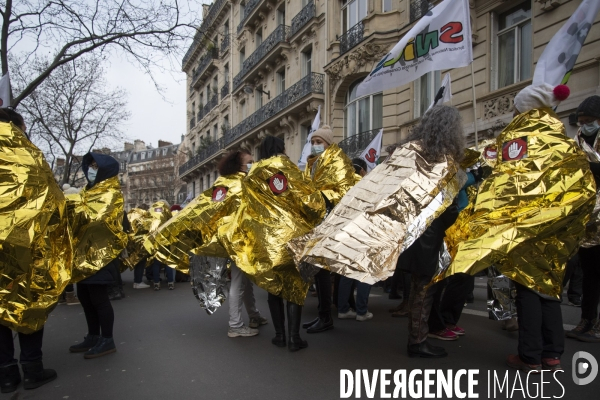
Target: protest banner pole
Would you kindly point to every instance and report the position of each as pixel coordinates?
(474, 106)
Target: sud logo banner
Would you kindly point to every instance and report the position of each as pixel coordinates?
(439, 40)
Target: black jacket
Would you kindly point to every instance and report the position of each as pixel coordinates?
(107, 168)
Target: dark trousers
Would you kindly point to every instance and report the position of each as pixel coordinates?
(347, 285)
(574, 278)
(457, 289)
(31, 346)
(421, 302)
(590, 266)
(170, 272)
(336, 290)
(138, 271)
(323, 285)
(400, 281)
(98, 311)
(541, 333)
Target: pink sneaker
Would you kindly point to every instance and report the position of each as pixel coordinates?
(456, 329)
(444, 334)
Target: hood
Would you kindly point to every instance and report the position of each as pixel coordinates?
(107, 166)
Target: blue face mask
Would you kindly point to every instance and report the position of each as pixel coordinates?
(317, 149)
(590, 129)
(91, 175)
(248, 166)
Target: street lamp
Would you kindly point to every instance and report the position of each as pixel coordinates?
(248, 89)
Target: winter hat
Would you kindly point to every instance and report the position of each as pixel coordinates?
(175, 207)
(541, 96)
(324, 133)
(590, 107)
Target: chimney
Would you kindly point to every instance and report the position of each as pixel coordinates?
(182, 137)
(163, 143)
(60, 162)
(128, 146)
(139, 145)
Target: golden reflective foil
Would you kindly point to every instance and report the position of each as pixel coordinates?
(471, 157)
(279, 203)
(194, 229)
(35, 241)
(142, 224)
(592, 229)
(530, 213)
(96, 219)
(332, 173)
(381, 216)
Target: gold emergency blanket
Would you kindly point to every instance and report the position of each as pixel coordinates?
(530, 213)
(332, 173)
(279, 203)
(144, 223)
(381, 216)
(35, 242)
(592, 229)
(194, 229)
(96, 219)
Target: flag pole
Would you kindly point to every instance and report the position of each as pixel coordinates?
(474, 106)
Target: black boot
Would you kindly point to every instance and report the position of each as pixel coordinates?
(307, 325)
(103, 347)
(10, 377)
(89, 341)
(34, 375)
(425, 350)
(323, 324)
(294, 312)
(278, 317)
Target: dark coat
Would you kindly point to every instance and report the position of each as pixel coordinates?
(107, 168)
(423, 256)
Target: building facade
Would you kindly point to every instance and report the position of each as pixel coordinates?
(263, 67)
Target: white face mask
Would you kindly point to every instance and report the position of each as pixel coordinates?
(92, 175)
(248, 166)
(590, 129)
(317, 149)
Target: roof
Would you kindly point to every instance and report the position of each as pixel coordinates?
(142, 156)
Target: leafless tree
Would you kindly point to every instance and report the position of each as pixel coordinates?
(64, 30)
(72, 111)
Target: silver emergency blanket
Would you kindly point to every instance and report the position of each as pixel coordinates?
(209, 281)
(502, 292)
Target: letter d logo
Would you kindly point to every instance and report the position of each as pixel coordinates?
(581, 367)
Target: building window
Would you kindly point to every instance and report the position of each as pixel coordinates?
(207, 181)
(216, 175)
(226, 122)
(307, 62)
(352, 13)
(362, 113)
(426, 88)
(142, 155)
(215, 131)
(280, 81)
(258, 37)
(242, 56)
(304, 131)
(201, 101)
(135, 157)
(281, 15)
(193, 189)
(514, 46)
(193, 148)
(258, 98)
(165, 152)
(226, 73)
(386, 5)
(242, 11)
(215, 85)
(243, 109)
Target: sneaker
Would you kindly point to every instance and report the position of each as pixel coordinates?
(583, 326)
(140, 285)
(255, 322)
(514, 361)
(71, 299)
(242, 331)
(171, 285)
(103, 347)
(592, 335)
(347, 315)
(364, 317)
(157, 286)
(551, 364)
(444, 334)
(456, 329)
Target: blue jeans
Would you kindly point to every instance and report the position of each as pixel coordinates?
(362, 296)
(138, 271)
(156, 272)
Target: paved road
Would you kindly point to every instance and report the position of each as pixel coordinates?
(169, 348)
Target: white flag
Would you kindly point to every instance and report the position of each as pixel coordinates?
(373, 151)
(5, 91)
(558, 59)
(441, 39)
(444, 94)
(306, 150)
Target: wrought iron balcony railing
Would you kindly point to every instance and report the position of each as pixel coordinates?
(225, 41)
(356, 144)
(225, 90)
(280, 34)
(248, 8)
(305, 15)
(204, 62)
(212, 103)
(214, 11)
(352, 37)
(419, 8)
(311, 83)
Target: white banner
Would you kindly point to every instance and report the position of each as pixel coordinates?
(5, 91)
(446, 92)
(306, 150)
(373, 151)
(439, 40)
(558, 59)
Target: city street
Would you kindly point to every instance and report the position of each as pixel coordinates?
(169, 348)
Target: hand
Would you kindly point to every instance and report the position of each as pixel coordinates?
(514, 150)
(278, 183)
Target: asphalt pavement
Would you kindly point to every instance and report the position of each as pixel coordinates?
(169, 348)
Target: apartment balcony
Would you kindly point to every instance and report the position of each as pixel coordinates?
(354, 145)
(214, 16)
(212, 103)
(225, 90)
(287, 102)
(250, 13)
(225, 42)
(205, 67)
(352, 38)
(266, 52)
(302, 18)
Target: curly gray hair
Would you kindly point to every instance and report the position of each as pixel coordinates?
(441, 134)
